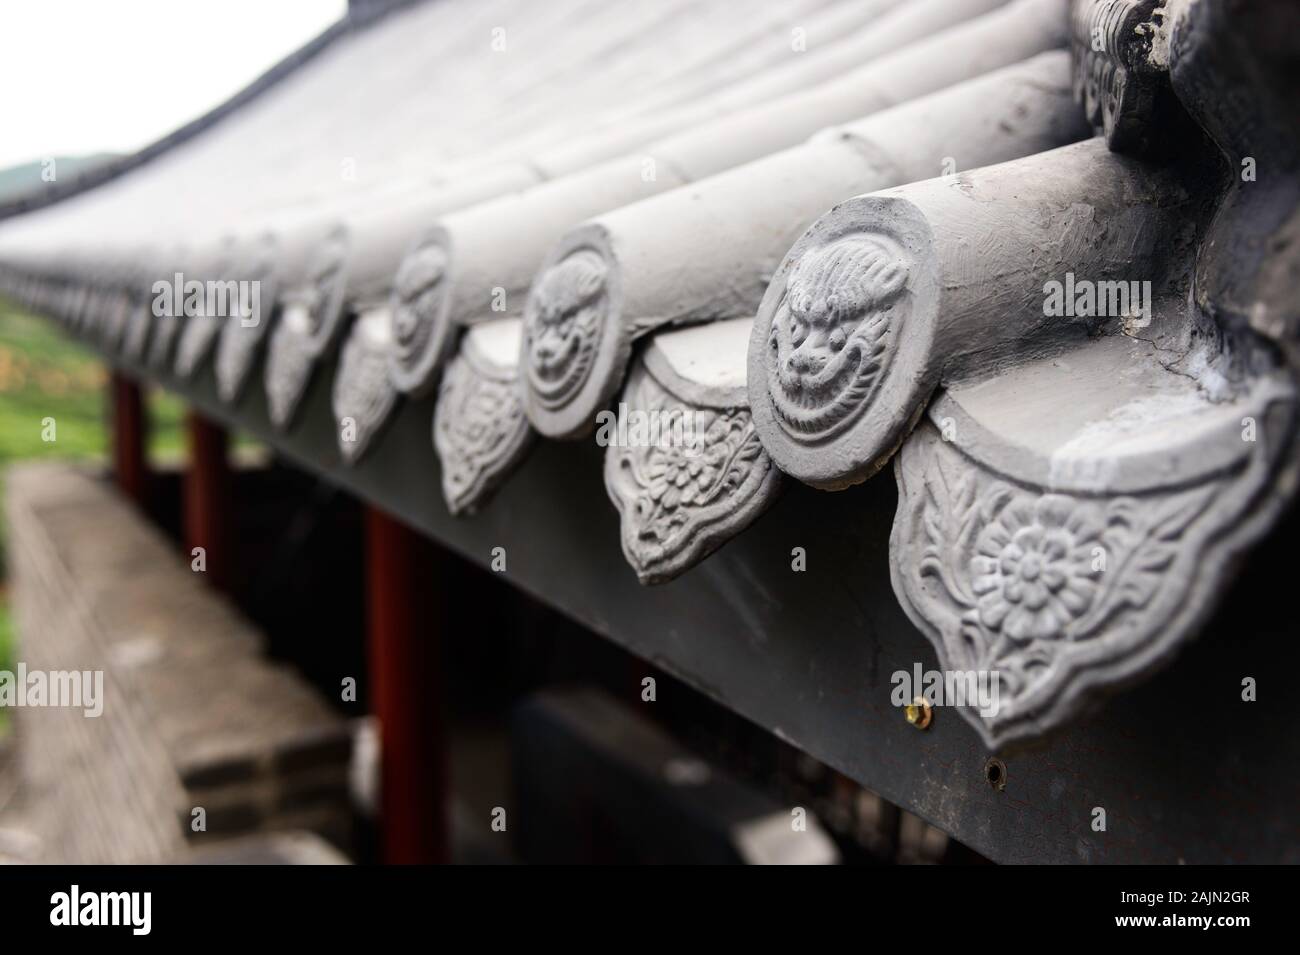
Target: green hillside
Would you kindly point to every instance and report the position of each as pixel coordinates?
(17, 180)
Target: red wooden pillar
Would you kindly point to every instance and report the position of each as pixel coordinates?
(128, 436)
(405, 686)
(207, 512)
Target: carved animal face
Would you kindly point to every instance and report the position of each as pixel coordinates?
(830, 336)
(564, 325)
(417, 286)
(323, 277)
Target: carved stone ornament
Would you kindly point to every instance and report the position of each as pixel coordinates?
(139, 319)
(1068, 557)
(164, 327)
(683, 463)
(162, 338)
(890, 294)
(289, 364)
(1070, 513)
(1119, 77)
(83, 306)
(479, 428)
(116, 320)
(829, 344)
(76, 308)
(199, 328)
(562, 339)
(135, 340)
(419, 293)
(363, 397)
(198, 332)
(828, 334)
(306, 329)
(241, 336)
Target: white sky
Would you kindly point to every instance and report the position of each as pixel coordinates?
(86, 76)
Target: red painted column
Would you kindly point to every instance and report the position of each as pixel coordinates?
(128, 435)
(207, 493)
(403, 600)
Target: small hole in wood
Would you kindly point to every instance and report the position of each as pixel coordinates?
(995, 771)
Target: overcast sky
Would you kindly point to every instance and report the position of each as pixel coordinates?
(87, 76)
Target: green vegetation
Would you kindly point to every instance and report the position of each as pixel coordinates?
(44, 374)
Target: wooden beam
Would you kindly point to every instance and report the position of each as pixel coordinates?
(128, 433)
(207, 510)
(403, 601)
